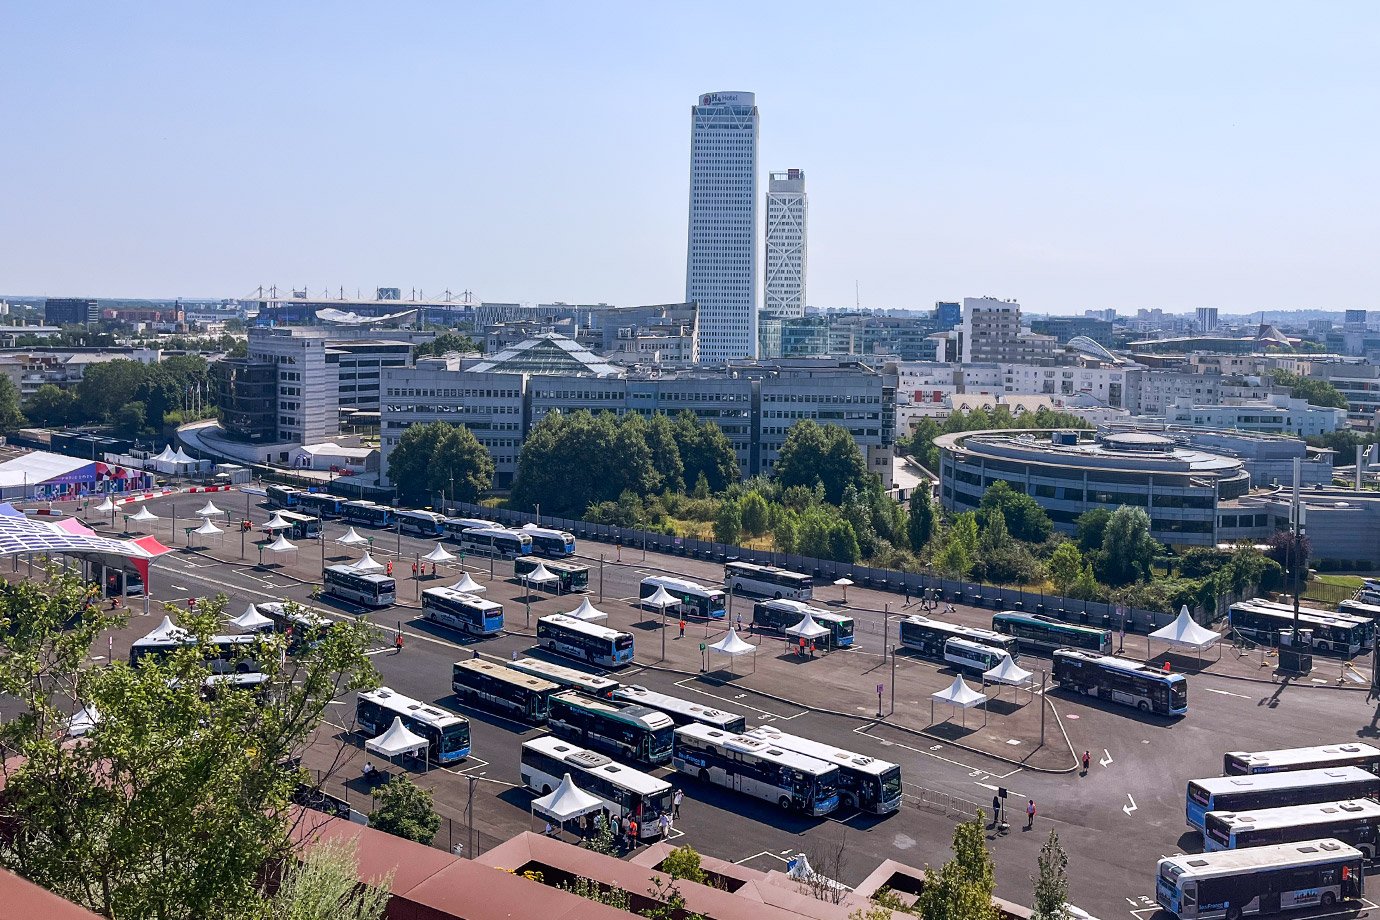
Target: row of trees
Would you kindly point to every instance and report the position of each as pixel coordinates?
(137, 399)
(440, 459)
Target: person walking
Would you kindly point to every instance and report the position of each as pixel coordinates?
(682, 629)
(623, 829)
(663, 823)
(1030, 815)
(996, 811)
(676, 799)
(397, 644)
(633, 830)
(1087, 756)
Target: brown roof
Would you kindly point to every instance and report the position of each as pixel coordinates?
(21, 899)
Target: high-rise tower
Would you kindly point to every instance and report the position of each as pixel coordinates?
(783, 290)
(721, 256)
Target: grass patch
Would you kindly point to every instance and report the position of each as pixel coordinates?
(1341, 581)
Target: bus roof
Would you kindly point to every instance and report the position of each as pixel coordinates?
(300, 613)
(647, 717)
(1368, 611)
(508, 675)
(591, 762)
(839, 757)
(394, 701)
(367, 576)
(494, 529)
(423, 515)
(800, 607)
(546, 531)
(746, 744)
(582, 626)
(670, 581)
(970, 645)
(1227, 862)
(957, 629)
(562, 674)
(473, 600)
(1114, 663)
(468, 522)
(1294, 815)
(1285, 779)
(296, 516)
(758, 567)
(1306, 614)
(664, 702)
(1283, 758)
(1011, 616)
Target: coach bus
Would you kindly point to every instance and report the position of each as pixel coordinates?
(1045, 634)
(572, 577)
(966, 655)
(695, 600)
(1355, 822)
(596, 685)
(757, 768)
(1119, 680)
(453, 527)
(301, 526)
(282, 496)
(1261, 880)
(370, 590)
(780, 615)
(554, 544)
(623, 790)
(1276, 790)
(321, 504)
(767, 581)
(476, 616)
(928, 637)
(624, 730)
(495, 541)
(298, 623)
(682, 712)
(488, 685)
(1345, 754)
(367, 513)
(224, 654)
(1340, 633)
(586, 641)
(447, 734)
(865, 783)
(420, 523)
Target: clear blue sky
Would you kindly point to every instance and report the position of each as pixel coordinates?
(1066, 155)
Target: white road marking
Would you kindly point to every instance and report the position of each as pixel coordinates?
(1239, 696)
(734, 701)
(1132, 807)
(178, 588)
(972, 771)
(1106, 761)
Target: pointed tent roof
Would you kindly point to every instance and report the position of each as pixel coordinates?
(106, 506)
(661, 598)
(540, 575)
(167, 456)
(277, 523)
(732, 645)
(367, 564)
(807, 628)
(587, 611)
(566, 801)
(207, 529)
(181, 456)
(959, 694)
(165, 631)
(83, 720)
(209, 510)
(252, 620)
(1184, 633)
(143, 514)
(438, 554)
(281, 545)
(467, 585)
(397, 740)
(351, 538)
(1008, 672)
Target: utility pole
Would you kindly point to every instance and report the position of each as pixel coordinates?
(1295, 544)
(1044, 675)
(601, 578)
(893, 681)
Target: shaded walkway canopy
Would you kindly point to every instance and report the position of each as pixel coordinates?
(22, 535)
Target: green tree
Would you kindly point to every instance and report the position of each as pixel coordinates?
(953, 558)
(921, 517)
(965, 531)
(661, 442)
(1052, 882)
(843, 542)
(404, 809)
(174, 802)
(1316, 392)
(11, 415)
(569, 462)
(52, 406)
(728, 525)
(1127, 547)
(105, 387)
(821, 454)
(324, 885)
(701, 486)
(784, 534)
(130, 420)
(1092, 527)
(1065, 565)
(755, 514)
(446, 343)
(705, 450)
(440, 458)
(1025, 519)
(1086, 587)
(961, 889)
(684, 863)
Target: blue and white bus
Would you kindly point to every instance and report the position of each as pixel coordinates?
(1318, 757)
(1276, 790)
(447, 734)
(282, 496)
(628, 731)
(467, 613)
(322, 504)
(966, 655)
(586, 641)
(695, 600)
(757, 768)
(929, 637)
(367, 513)
(865, 783)
(681, 711)
(1261, 880)
(371, 590)
(1120, 680)
(767, 581)
(1355, 822)
(453, 527)
(551, 543)
(780, 615)
(597, 685)
(420, 523)
(495, 541)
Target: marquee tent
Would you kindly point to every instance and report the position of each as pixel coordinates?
(366, 565)
(960, 696)
(438, 554)
(732, 646)
(467, 585)
(252, 620)
(209, 510)
(1185, 634)
(588, 612)
(566, 802)
(399, 740)
(807, 629)
(352, 538)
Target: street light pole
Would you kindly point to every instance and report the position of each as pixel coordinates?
(893, 681)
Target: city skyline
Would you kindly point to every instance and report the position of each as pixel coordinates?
(1069, 158)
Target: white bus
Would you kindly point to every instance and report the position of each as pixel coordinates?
(1120, 680)
(767, 581)
(1346, 754)
(695, 600)
(1355, 822)
(625, 730)
(224, 654)
(865, 783)
(928, 637)
(447, 734)
(492, 686)
(780, 615)
(623, 790)
(476, 616)
(372, 590)
(295, 621)
(301, 526)
(1275, 790)
(586, 641)
(367, 513)
(420, 523)
(454, 526)
(589, 684)
(682, 712)
(496, 542)
(551, 543)
(971, 656)
(1262, 880)
(757, 768)
(1339, 633)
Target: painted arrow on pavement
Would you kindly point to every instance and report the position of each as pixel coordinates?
(1107, 760)
(1130, 808)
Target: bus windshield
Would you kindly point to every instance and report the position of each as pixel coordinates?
(825, 786)
(661, 740)
(623, 642)
(455, 738)
(1178, 694)
(891, 784)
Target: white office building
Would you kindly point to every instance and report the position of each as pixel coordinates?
(721, 255)
(783, 289)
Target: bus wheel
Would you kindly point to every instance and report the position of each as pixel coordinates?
(1328, 899)
(545, 789)
(1233, 913)
(704, 775)
(785, 803)
(1143, 706)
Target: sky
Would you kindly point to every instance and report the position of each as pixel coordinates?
(1066, 155)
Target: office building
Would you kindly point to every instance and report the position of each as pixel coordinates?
(783, 289)
(1206, 319)
(991, 331)
(1354, 320)
(721, 254)
(947, 315)
(1107, 316)
(1360, 384)
(71, 311)
(1276, 414)
(1064, 328)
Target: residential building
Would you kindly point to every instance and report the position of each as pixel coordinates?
(1064, 328)
(1360, 384)
(71, 311)
(64, 368)
(783, 289)
(1206, 318)
(721, 254)
(1107, 316)
(1276, 414)
(991, 331)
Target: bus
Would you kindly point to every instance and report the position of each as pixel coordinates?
(623, 790)
(302, 526)
(573, 577)
(695, 600)
(682, 712)
(488, 685)
(553, 544)
(496, 542)
(589, 684)
(780, 615)
(454, 527)
(757, 768)
(623, 730)
(366, 513)
(928, 637)
(1346, 754)
(586, 641)
(420, 523)
(322, 504)
(1355, 822)
(224, 654)
(447, 734)
(865, 783)
(476, 616)
(295, 621)
(282, 496)
(767, 581)
(1341, 633)
(371, 590)
(1262, 880)
(1040, 633)
(1360, 609)
(1275, 790)
(1120, 680)
(966, 655)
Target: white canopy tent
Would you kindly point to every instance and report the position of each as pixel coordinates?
(181, 456)
(961, 696)
(277, 523)
(733, 646)
(166, 631)
(807, 629)
(1183, 633)
(1009, 673)
(207, 529)
(438, 554)
(661, 599)
(843, 583)
(209, 510)
(251, 620)
(399, 740)
(467, 585)
(539, 576)
(367, 565)
(281, 545)
(167, 456)
(106, 506)
(352, 538)
(83, 720)
(588, 612)
(566, 803)
(142, 515)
